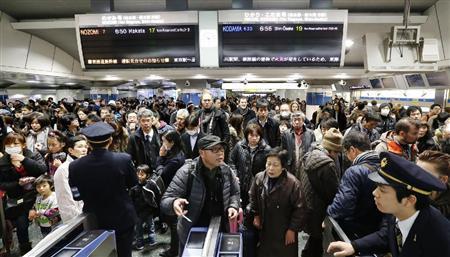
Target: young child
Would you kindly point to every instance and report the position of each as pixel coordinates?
(45, 210)
(56, 155)
(143, 209)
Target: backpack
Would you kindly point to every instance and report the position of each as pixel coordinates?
(155, 187)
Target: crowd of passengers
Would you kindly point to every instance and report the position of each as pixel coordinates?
(292, 171)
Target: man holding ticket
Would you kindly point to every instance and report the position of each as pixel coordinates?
(201, 189)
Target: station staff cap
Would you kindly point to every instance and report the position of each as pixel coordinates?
(98, 132)
(397, 171)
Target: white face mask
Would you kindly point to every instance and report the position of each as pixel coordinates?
(13, 150)
(191, 132)
(384, 112)
(285, 114)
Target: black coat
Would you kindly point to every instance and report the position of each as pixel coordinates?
(186, 145)
(288, 144)
(168, 166)
(271, 131)
(219, 125)
(137, 151)
(102, 179)
(429, 237)
(248, 165)
(34, 166)
(248, 115)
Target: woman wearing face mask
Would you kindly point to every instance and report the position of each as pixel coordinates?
(170, 159)
(68, 208)
(191, 136)
(387, 121)
(276, 201)
(18, 169)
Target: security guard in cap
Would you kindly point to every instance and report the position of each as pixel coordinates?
(101, 179)
(415, 228)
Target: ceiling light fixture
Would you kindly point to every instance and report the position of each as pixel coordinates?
(349, 43)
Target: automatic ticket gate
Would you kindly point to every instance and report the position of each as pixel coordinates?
(208, 242)
(77, 238)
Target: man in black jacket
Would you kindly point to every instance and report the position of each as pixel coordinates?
(245, 111)
(144, 144)
(297, 141)
(271, 130)
(213, 121)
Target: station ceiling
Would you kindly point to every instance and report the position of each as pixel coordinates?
(47, 9)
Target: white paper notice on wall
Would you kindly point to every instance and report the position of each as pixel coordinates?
(208, 38)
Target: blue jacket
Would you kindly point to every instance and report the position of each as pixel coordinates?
(429, 237)
(353, 206)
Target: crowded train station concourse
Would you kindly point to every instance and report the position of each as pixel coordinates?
(224, 128)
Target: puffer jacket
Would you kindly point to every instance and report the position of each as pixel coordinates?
(288, 144)
(248, 165)
(353, 206)
(319, 187)
(178, 189)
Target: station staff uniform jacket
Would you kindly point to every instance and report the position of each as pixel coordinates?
(101, 179)
(429, 237)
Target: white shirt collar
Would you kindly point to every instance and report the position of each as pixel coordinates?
(406, 225)
(150, 134)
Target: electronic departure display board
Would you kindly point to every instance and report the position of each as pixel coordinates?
(282, 38)
(138, 40)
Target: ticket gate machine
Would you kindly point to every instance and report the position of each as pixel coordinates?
(77, 238)
(208, 242)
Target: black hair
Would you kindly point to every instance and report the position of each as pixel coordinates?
(358, 140)
(44, 179)
(67, 119)
(360, 106)
(368, 117)
(144, 168)
(262, 103)
(280, 153)
(73, 140)
(329, 123)
(173, 137)
(94, 117)
(413, 109)
(434, 105)
(401, 192)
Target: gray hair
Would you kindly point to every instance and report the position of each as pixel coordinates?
(298, 114)
(145, 113)
(182, 113)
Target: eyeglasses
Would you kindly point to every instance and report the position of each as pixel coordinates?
(217, 149)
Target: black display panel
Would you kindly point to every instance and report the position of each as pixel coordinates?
(438, 79)
(280, 45)
(376, 83)
(160, 46)
(415, 80)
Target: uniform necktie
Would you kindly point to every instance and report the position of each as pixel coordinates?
(147, 138)
(399, 238)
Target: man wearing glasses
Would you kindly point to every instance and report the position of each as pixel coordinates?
(202, 189)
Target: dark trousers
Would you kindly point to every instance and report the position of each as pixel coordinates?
(124, 240)
(21, 223)
(45, 231)
(313, 247)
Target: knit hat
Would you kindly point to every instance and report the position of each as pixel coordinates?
(332, 140)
